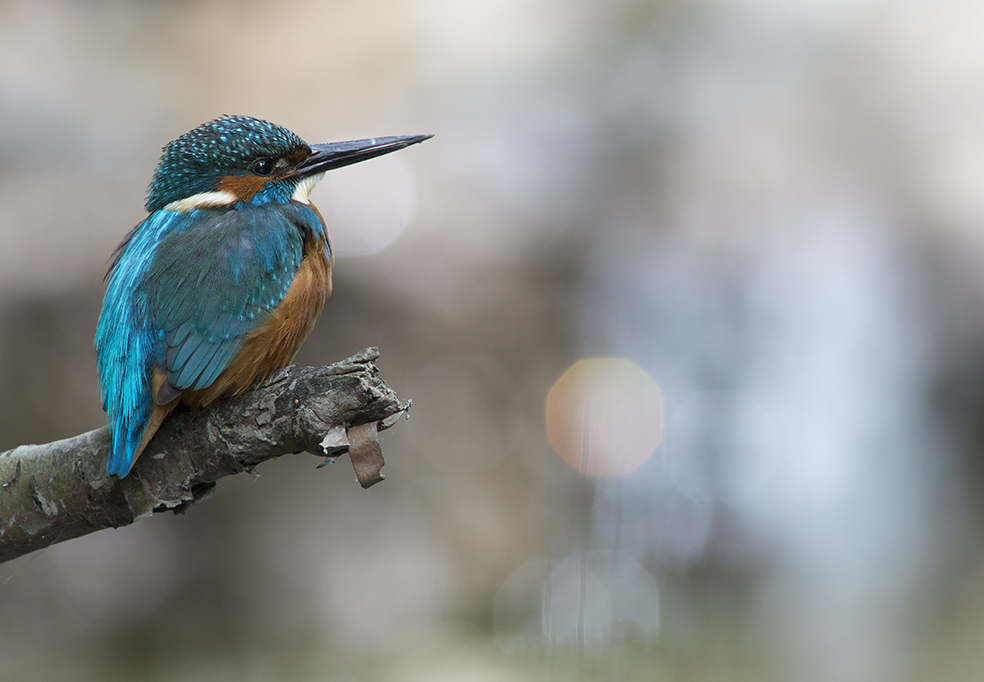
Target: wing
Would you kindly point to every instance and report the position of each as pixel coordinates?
(182, 292)
(127, 345)
(213, 283)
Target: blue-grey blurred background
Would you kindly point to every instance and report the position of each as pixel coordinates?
(764, 221)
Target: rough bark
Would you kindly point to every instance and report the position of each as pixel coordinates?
(57, 491)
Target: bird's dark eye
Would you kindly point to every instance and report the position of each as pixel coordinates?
(262, 167)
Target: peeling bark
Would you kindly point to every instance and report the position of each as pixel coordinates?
(58, 491)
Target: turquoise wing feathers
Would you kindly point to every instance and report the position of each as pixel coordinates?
(183, 293)
(214, 284)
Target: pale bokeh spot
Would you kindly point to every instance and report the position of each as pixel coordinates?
(374, 203)
(605, 416)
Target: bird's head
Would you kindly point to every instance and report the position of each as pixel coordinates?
(242, 159)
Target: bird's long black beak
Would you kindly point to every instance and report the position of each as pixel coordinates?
(325, 157)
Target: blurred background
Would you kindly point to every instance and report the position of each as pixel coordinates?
(688, 295)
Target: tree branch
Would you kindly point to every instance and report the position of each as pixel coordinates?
(57, 491)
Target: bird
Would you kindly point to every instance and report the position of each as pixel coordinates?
(220, 284)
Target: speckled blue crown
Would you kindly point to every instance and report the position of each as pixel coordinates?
(193, 163)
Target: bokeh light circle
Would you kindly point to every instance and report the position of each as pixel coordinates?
(605, 416)
(374, 203)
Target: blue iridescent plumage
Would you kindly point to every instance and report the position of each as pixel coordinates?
(205, 281)
(224, 146)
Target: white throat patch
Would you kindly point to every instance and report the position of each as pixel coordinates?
(304, 187)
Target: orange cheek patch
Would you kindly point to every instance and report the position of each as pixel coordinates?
(242, 187)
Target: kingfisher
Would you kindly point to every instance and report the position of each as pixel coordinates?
(220, 284)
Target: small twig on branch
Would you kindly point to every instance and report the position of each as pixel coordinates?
(57, 491)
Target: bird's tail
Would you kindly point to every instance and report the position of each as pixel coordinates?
(119, 462)
(126, 397)
(132, 433)
(128, 436)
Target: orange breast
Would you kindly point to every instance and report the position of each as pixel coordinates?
(274, 343)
